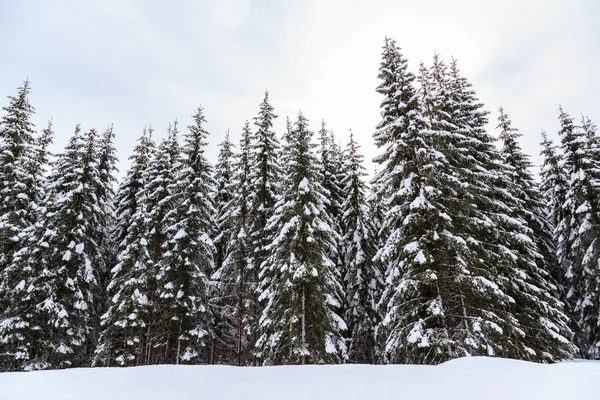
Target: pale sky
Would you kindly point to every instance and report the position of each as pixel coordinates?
(135, 63)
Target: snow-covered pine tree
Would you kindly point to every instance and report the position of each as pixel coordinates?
(265, 180)
(535, 322)
(553, 188)
(299, 286)
(526, 189)
(124, 325)
(265, 176)
(424, 286)
(181, 301)
(65, 256)
(222, 199)
(237, 277)
(578, 233)
(332, 174)
(18, 187)
(363, 281)
(127, 198)
(23, 160)
(162, 177)
(462, 271)
(105, 194)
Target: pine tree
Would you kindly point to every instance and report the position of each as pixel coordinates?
(265, 187)
(127, 198)
(237, 276)
(554, 190)
(578, 233)
(23, 160)
(18, 187)
(64, 259)
(362, 281)
(299, 284)
(223, 198)
(265, 175)
(533, 210)
(161, 189)
(181, 301)
(539, 329)
(124, 325)
(332, 175)
(421, 250)
(105, 194)
(463, 277)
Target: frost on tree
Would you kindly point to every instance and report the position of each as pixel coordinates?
(299, 286)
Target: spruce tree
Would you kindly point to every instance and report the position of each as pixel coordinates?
(64, 258)
(421, 251)
(332, 174)
(19, 190)
(163, 174)
(23, 161)
(237, 276)
(462, 276)
(362, 281)
(105, 195)
(265, 176)
(553, 189)
(124, 325)
(127, 198)
(539, 330)
(181, 301)
(533, 210)
(222, 199)
(299, 286)
(578, 233)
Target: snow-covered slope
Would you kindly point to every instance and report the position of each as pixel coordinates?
(469, 378)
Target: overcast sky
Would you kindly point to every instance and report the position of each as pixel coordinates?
(133, 63)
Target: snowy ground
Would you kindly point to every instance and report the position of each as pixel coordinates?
(472, 378)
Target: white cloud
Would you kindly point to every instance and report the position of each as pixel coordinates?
(148, 62)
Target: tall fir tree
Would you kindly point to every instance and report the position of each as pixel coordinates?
(578, 233)
(125, 323)
(105, 194)
(332, 174)
(237, 276)
(420, 248)
(527, 190)
(553, 187)
(183, 268)
(539, 330)
(127, 198)
(223, 198)
(362, 281)
(265, 172)
(462, 273)
(18, 187)
(65, 259)
(299, 286)
(24, 158)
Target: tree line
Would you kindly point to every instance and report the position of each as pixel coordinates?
(282, 253)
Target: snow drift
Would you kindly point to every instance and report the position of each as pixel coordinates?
(467, 378)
